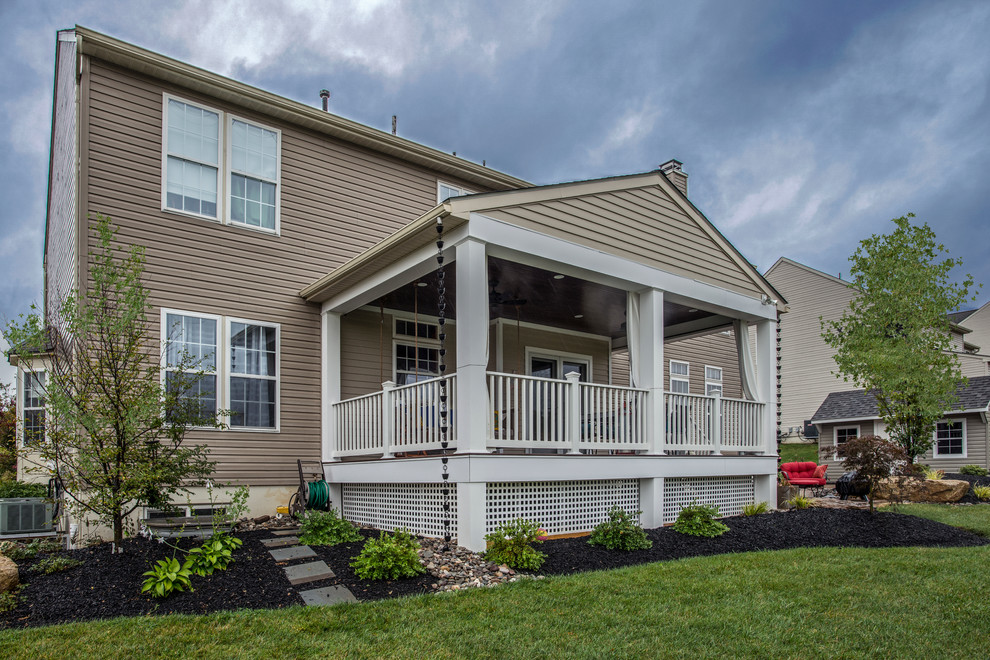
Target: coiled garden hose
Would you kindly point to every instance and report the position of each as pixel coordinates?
(317, 495)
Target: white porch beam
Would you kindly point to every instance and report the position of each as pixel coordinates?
(330, 381)
(536, 249)
(471, 310)
(766, 376)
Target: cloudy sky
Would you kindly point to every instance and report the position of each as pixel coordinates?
(804, 126)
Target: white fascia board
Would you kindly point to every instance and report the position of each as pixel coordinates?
(486, 468)
(536, 249)
(417, 264)
(845, 420)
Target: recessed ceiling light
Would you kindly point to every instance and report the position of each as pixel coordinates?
(420, 283)
(692, 311)
(579, 316)
(558, 276)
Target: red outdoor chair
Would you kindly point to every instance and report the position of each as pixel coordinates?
(806, 474)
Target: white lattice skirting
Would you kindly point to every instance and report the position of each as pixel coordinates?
(729, 494)
(560, 507)
(417, 507)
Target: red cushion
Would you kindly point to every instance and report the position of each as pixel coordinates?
(799, 470)
(820, 472)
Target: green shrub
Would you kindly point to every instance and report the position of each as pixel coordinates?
(21, 489)
(389, 557)
(620, 532)
(699, 520)
(511, 544)
(165, 577)
(55, 564)
(982, 492)
(754, 508)
(214, 555)
(326, 528)
(800, 502)
(974, 470)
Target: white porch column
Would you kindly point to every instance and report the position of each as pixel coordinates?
(471, 515)
(651, 502)
(330, 377)
(649, 358)
(471, 307)
(766, 367)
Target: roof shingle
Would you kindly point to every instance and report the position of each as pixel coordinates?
(859, 404)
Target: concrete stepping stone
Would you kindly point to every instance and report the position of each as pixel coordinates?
(311, 572)
(295, 552)
(287, 532)
(328, 595)
(280, 542)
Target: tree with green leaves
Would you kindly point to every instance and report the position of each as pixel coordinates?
(114, 431)
(895, 338)
(8, 433)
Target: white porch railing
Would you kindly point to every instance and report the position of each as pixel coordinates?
(712, 423)
(525, 412)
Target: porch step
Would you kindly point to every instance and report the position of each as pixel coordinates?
(287, 532)
(280, 542)
(328, 595)
(311, 572)
(295, 552)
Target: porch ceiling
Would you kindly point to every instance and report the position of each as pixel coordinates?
(542, 297)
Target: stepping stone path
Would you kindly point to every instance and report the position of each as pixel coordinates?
(286, 548)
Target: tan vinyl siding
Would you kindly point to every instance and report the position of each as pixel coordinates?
(336, 200)
(620, 368)
(550, 341)
(979, 323)
(641, 224)
(60, 251)
(806, 361)
(714, 350)
(972, 365)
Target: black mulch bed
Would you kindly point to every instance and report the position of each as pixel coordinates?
(969, 498)
(109, 585)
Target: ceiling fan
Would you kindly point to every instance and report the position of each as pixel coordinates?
(496, 297)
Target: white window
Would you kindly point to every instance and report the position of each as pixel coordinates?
(713, 380)
(240, 355)
(221, 167)
(446, 191)
(253, 175)
(843, 434)
(253, 364)
(191, 344)
(33, 420)
(192, 158)
(680, 377)
(416, 350)
(950, 439)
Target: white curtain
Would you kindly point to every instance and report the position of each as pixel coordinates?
(632, 336)
(747, 370)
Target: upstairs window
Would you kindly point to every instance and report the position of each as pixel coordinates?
(680, 377)
(34, 408)
(713, 380)
(253, 175)
(192, 148)
(446, 191)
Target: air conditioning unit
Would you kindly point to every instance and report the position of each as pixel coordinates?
(27, 515)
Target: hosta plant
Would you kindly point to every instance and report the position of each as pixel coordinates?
(165, 577)
(215, 554)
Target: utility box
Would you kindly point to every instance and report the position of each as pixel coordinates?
(25, 516)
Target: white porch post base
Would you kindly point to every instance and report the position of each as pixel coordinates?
(766, 490)
(471, 515)
(651, 502)
(336, 496)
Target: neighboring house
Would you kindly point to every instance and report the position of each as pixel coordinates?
(978, 323)
(959, 439)
(298, 247)
(808, 369)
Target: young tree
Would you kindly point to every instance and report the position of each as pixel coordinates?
(873, 459)
(895, 340)
(114, 432)
(8, 433)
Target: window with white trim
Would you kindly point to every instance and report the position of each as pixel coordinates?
(221, 167)
(950, 439)
(33, 408)
(680, 377)
(843, 434)
(417, 351)
(191, 359)
(192, 158)
(713, 380)
(446, 191)
(253, 363)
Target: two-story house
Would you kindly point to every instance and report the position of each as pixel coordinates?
(299, 249)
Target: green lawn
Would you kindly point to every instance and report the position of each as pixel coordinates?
(975, 518)
(799, 452)
(805, 603)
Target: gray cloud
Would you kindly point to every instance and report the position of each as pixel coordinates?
(804, 126)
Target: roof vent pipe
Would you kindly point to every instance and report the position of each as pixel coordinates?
(672, 168)
(325, 95)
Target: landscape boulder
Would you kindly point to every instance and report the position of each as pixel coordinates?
(912, 489)
(8, 574)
